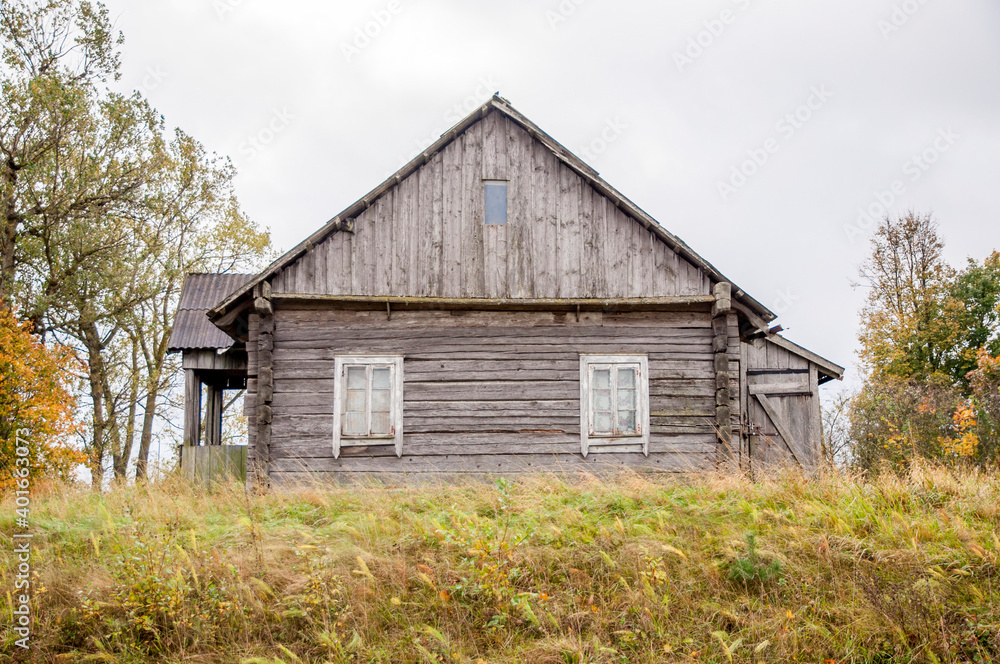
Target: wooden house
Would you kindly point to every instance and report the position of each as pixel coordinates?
(496, 307)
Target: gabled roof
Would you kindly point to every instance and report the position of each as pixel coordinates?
(192, 328)
(591, 176)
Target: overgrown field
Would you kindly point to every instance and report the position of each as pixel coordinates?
(544, 569)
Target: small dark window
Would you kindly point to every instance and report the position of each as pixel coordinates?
(496, 202)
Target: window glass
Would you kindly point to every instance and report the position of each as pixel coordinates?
(496, 202)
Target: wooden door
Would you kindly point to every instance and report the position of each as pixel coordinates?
(782, 424)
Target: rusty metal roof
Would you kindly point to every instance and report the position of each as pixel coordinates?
(192, 328)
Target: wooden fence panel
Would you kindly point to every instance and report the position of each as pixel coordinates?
(205, 464)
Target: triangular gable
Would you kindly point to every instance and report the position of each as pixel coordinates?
(646, 235)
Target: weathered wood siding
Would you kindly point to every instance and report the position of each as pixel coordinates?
(790, 385)
(490, 392)
(426, 236)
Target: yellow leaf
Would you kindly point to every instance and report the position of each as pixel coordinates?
(396, 601)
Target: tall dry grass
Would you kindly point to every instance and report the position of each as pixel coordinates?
(543, 569)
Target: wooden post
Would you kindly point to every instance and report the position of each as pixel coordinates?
(723, 395)
(265, 381)
(213, 415)
(192, 408)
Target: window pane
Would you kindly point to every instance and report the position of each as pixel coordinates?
(381, 401)
(380, 424)
(626, 399)
(626, 421)
(602, 400)
(496, 203)
(355, 401)
(380, 378)
(602, 422)
(602, 379)
(626, 377)
(356, 379)
(354, 424)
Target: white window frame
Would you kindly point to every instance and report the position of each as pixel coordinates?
(395, 438)
(600, 443)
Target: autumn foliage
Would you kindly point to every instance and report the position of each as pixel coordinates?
(36, 404)
(930, 350)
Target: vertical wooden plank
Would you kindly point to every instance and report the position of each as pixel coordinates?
(554, 193)
(304, 272)
(473, 214)
(402, 278)
(494, 129)
(436, 211)
(519, 219)
(356, 254)
(347, 262)
(621, 240)
(383, 247)
(569, 233)
(540, 241)
(452, 195)
(334, 265)
(814, 437)
(648, 261)
(635, 278)
(425, 259)
(192, 407)
(213, 416)
(375, 232)
(590, 270)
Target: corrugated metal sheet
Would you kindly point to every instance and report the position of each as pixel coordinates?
(192, 328)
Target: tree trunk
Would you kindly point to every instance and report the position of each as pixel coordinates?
(10, 220)
(155, 361)
(95, 375)
(123, 452)
(146, 438)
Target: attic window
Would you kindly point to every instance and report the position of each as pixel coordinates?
(496, 202)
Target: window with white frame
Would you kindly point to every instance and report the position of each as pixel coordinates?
(614, 403)
(368, 402)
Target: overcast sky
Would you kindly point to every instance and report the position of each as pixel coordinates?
(756, 130)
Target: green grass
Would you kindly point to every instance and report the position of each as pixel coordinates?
(543, 569)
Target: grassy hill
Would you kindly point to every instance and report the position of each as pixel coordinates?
(567, 571)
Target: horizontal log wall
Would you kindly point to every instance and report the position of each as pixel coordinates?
(489, 392)
(426, 236)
